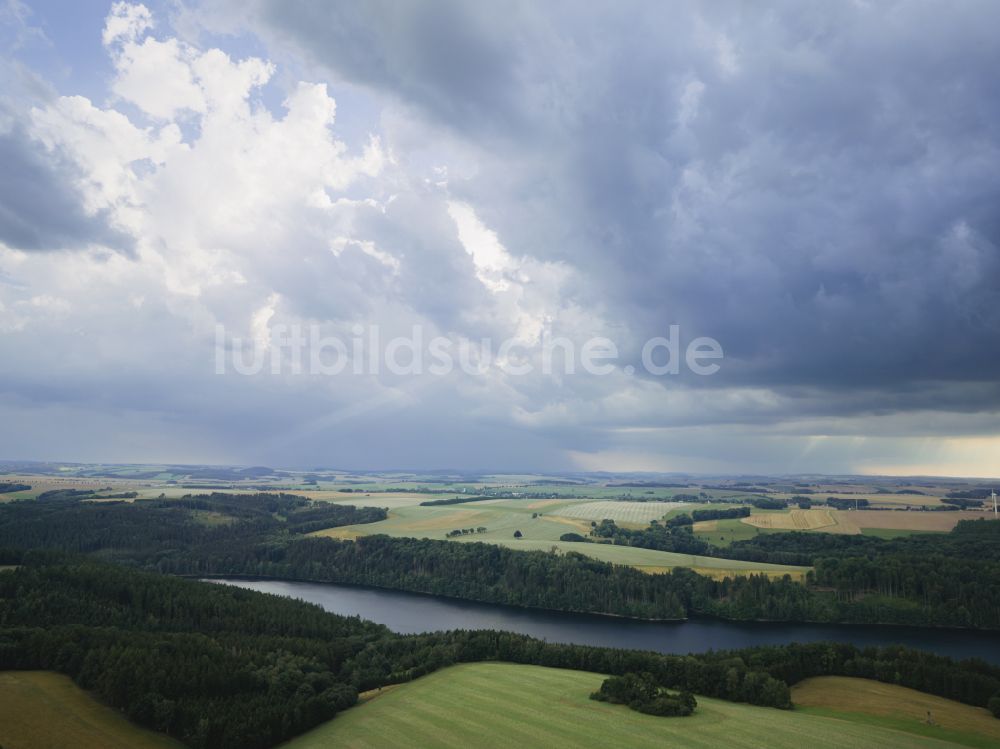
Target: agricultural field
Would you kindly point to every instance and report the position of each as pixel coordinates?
(794, 520)
(388, 500)
(724, 532)
(621, 512)
(44, 710)
(898, 707)
(853, 522)
(922, 522)
(502, 705)
(501, 518)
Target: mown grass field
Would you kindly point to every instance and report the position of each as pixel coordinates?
(44, 710)
(503, 705)
(898, 707)
(620, 512)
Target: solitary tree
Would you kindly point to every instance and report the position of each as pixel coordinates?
(517, 534)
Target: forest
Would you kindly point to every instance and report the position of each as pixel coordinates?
(219, 666)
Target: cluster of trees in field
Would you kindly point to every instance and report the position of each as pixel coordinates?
(840, 503)
(6, 487)
(466, 531)
(672, 535)
(969, 494)
(962, 504)
(712, 514)
(641, 693)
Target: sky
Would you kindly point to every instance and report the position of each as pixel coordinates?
(806, 191)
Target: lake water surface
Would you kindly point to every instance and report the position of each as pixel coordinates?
(411, 613)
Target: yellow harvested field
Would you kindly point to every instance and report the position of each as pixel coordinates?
(542, 503)
(911, 521)
(580, 526)
(794, 520)
(718, 573)
(852, 522)
(850, 695)
(373, 499)
(44, 710)
(705, 525)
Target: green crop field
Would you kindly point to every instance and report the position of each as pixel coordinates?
(724, 532)
(43, 710)
(501, 705)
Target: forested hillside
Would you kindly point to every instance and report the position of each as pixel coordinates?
(218, 666)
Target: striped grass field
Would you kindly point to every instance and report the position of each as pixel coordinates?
(793, 520)
(620, 512)
(486, 705)
(44, 710)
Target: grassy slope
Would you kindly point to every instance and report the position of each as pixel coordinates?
(500, 705)
(724, 532)
(890, 705)
(43, 710)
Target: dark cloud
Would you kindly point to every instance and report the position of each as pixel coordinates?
(446, 56)
(814, 186)
(39, 208)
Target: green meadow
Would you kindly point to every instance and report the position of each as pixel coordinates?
(501, 705)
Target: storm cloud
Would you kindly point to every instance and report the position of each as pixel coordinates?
(813, 185)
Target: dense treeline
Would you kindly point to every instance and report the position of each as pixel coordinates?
(6, 487)
(927, 579)
(474, 571)
(962, 504)
(970, 539)
(839, 503)
(769, 503)
(453, 501)
(143, 530)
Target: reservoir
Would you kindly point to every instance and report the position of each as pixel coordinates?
(412, 613)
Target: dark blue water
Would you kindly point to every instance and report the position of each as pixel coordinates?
(410, 613)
